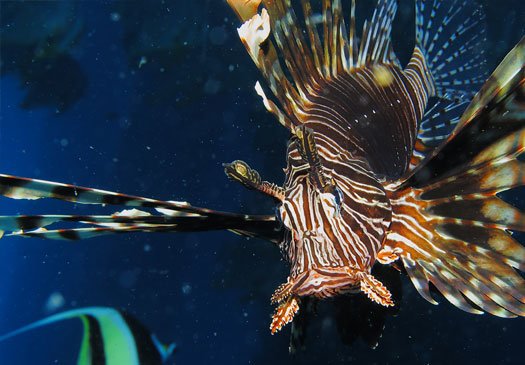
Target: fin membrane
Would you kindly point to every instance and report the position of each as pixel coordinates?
(170, 216)
(449, 227)
(450, 62)
(297, 55)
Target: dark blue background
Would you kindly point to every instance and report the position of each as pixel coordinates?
(163, 130)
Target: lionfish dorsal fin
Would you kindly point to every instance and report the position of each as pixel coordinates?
(245, 9)
(296, 62)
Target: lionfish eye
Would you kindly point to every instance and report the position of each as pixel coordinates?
(338, 200)
(338, 195)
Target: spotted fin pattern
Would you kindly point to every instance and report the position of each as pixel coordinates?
(449, 227)
(451, 41)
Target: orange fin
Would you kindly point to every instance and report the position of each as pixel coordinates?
(282, 292)
(387, 255)
(449, 225)
(284, 314)
(375, 290)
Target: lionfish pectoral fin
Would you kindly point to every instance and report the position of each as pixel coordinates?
(449, 224)
(284, 313)
(166, 216)
(242, 173)
(449, 63)
(375, 290)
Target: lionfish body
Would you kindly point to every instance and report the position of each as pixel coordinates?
(385, 164)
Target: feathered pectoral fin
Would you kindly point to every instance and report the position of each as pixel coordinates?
(449, 226)
(167, 216)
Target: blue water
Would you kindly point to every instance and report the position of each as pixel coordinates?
(163, 130)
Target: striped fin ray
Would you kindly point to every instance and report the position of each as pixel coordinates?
(297, 56)
(448, 63)
(452, 36)
(440, 119)
(173, 217)
(376, 46)
(255, 35)
(110, 337)
(449, 226)
(124, 222)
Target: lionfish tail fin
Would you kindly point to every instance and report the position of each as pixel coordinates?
(153, 216)
(449, 225)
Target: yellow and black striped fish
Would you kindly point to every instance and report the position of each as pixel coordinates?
(110, 337)
(386, 164)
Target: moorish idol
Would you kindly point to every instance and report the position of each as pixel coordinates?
(110, 337)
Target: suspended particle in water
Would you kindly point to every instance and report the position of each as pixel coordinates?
(186, 288)
(54, 302)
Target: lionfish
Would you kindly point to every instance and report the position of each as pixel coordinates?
(386, 164)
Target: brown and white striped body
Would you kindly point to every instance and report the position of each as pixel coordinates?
(329, 239)
(331, 242)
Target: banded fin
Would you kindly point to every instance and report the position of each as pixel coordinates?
(173, 217)
(449, 226)
(297, 59)
(451, 38)
(110, 337)
(449, 63)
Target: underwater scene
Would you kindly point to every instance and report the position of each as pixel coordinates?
(262, 182)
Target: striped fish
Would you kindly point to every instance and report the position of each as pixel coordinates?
(110, 337)
(386, 165)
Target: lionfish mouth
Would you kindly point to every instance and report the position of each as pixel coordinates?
(324, 282)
